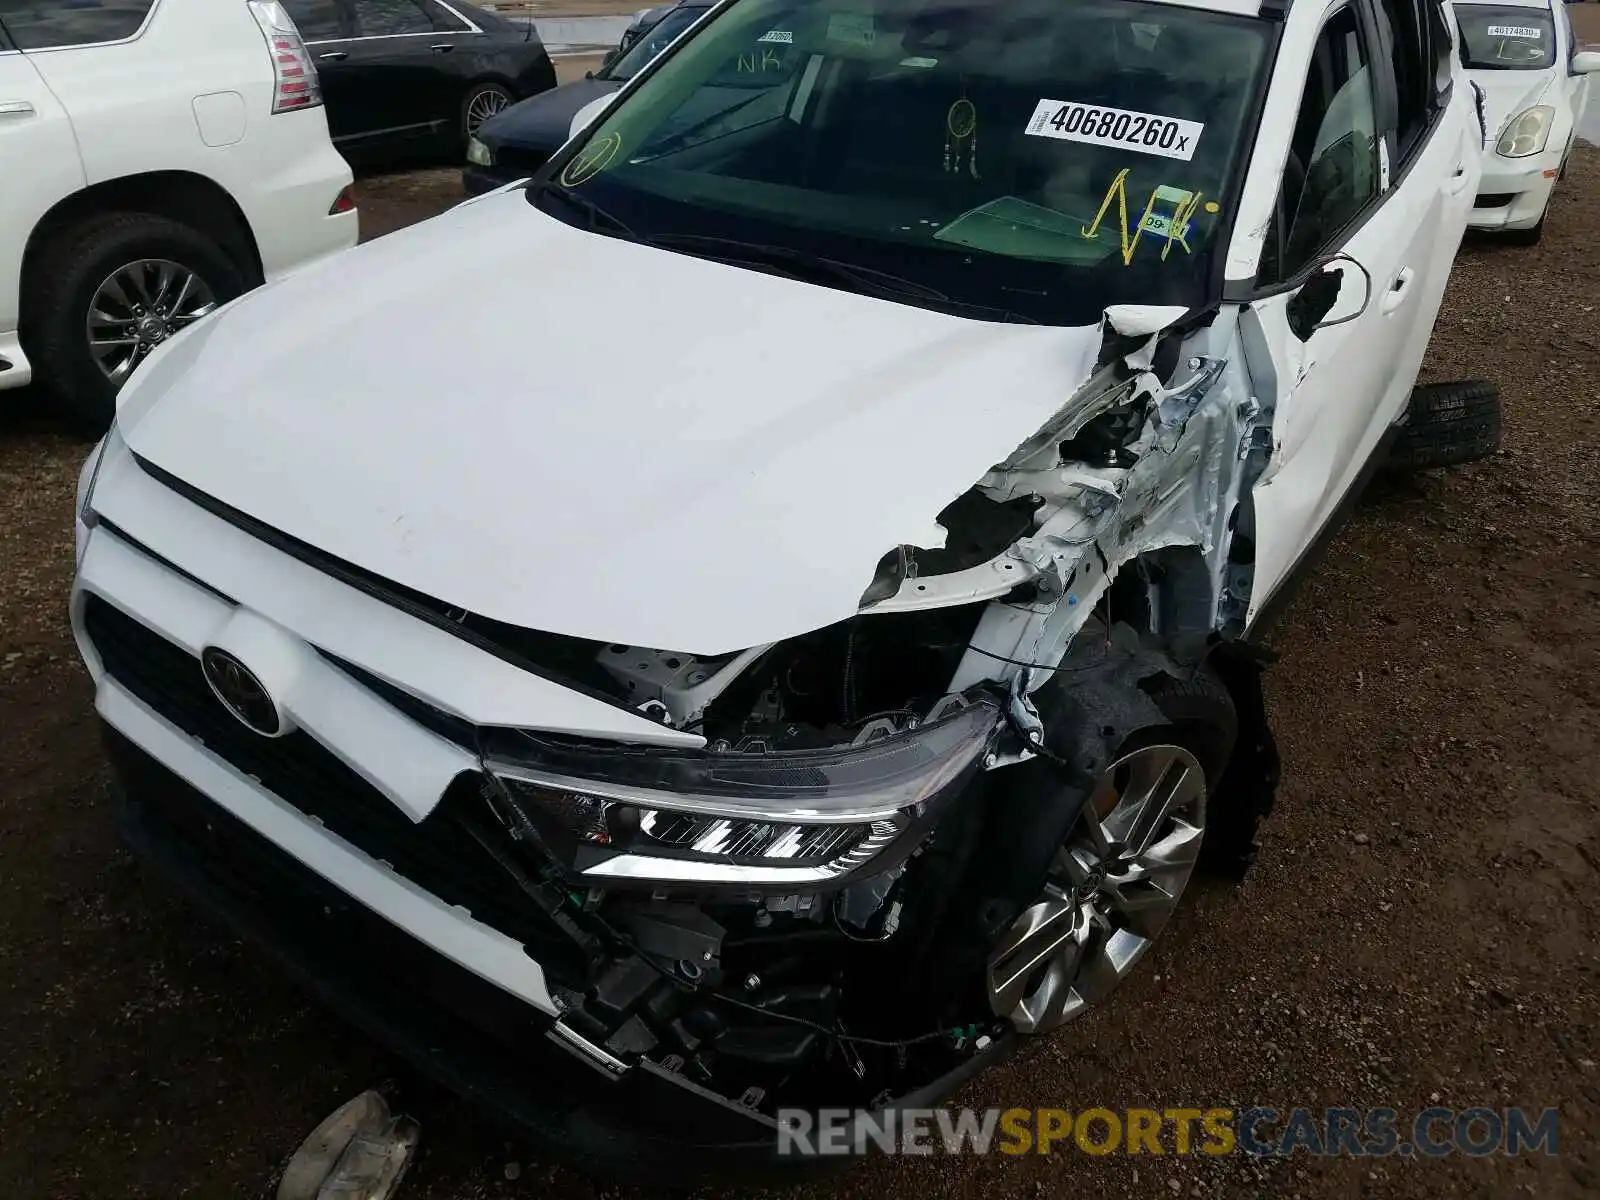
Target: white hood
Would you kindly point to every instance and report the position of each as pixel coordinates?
(1507, 93)
(583, 435)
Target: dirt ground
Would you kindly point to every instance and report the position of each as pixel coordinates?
(1423, 927)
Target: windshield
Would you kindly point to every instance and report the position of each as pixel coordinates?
(661, 35)
(1506, 38)
(1038, 158)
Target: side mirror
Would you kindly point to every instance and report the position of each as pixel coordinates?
(611, 56)
(1585, 62)
(1337, 292)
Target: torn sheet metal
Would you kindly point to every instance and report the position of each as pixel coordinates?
(1183, 479)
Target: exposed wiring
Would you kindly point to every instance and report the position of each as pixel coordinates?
(837, 1035)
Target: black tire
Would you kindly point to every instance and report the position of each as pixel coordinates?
(476, 93)
(1448, 424)
(75, 263)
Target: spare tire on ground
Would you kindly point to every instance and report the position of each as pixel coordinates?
(1446, 424)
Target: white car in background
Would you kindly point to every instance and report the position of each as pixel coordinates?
(176, 155)
(1535, 84)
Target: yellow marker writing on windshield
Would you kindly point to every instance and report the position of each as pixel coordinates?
(1178, 226)
(1119, 191)
(1173, 228)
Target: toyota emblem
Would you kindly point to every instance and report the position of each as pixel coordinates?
(241, 692)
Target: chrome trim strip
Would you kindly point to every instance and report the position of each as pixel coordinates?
(600, 1059)
(471, 28)
(455, 12)
(138, 33)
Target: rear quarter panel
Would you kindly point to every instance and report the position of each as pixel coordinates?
(133, 109)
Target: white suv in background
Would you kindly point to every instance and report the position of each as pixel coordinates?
(176, 154)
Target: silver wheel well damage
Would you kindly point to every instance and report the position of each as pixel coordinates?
(1161, 516)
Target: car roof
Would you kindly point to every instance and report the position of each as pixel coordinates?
(1539, 4)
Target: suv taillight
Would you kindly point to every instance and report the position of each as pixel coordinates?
(295, 82)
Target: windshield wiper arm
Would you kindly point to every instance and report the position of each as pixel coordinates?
(595, 213)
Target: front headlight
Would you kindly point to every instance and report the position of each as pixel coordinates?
(479, 154)
(1528, 132)
(787, 818)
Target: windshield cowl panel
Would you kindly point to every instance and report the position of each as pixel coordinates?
(1506, 37)
(1033, 159)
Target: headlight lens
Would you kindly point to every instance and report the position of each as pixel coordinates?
(1528, 132)
(479, 154)
(780, 818)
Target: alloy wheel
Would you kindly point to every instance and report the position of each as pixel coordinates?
(484, 105)
(138, 307)
(1111, 890)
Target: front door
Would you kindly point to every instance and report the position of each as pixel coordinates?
(1353, 186)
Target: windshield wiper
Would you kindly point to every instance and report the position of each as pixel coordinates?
(815, 268)
(593, 211)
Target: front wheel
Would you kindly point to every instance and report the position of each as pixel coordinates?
(1116, 880)
(111, 290)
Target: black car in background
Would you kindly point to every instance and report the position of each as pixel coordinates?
(519, 141)
(415, 76)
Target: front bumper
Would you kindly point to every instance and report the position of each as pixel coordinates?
(474, 1038)
(1514, 193)
(341, 845)
(471, 1036)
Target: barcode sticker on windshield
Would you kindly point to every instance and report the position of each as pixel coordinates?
(1531, 32)
(1145, 133)
(781, 36)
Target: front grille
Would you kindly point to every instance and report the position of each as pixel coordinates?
(437, 854)
(1493, 199)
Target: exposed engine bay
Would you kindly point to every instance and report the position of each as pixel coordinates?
(856, 885)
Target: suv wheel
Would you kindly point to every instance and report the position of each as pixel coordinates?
(1116, 880)
(113, 289)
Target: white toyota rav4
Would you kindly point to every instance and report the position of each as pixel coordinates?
(802, 639)
(157, 158)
